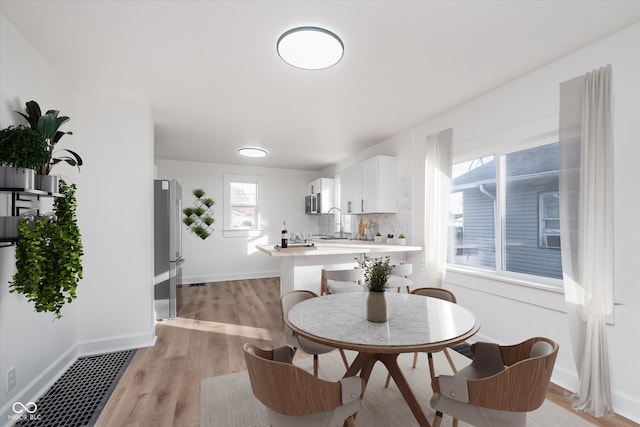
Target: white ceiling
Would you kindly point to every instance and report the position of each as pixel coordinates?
(215, 82)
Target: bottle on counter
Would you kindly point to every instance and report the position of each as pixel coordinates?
(285, 236)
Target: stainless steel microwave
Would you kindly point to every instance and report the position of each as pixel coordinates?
(312, 204)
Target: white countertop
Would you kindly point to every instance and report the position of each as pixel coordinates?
(338, 246)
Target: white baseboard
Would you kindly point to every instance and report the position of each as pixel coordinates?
(36, 388)
(120, 343)
(188, 280)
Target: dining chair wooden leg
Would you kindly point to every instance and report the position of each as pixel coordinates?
(386, 383)
(350, 422)
(453, 366)
(431, 368)
(415, 359)
(455, 423)
(344, 358)
(438, 419)
(315, 365)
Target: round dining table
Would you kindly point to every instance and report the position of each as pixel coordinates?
(414, 323)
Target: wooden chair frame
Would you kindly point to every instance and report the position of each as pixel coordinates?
(290, 390)
(520, 387)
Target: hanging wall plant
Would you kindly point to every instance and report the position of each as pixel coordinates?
(48, 256)
(199, 218)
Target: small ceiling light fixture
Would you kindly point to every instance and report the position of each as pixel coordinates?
(252, 152)
(310, 48)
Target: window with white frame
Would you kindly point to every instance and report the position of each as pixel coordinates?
(549, 216)
(243, 196)
(504, 214)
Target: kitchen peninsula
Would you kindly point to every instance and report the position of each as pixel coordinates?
(302, 268)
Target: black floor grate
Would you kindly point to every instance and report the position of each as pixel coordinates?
(77, 398)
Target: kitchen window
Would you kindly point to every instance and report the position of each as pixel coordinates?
(243, 195)
(504, 215)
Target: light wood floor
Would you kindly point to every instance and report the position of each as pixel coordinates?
(161, 386)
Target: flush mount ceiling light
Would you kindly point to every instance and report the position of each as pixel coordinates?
(252, 152)
(310, 48)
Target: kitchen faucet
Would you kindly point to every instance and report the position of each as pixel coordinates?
(339, 219)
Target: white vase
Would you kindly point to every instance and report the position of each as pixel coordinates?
(17, 178)
(48, 183)
(9, 228)
(377, 307)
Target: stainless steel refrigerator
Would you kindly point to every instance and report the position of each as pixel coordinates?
(168, 248)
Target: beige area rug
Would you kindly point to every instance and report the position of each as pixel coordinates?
(227, 400)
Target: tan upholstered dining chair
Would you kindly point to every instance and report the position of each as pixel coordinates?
(293, 397)
(442, 294)
(287, 301)
(399, 277)
(339, 281)
(500, 386)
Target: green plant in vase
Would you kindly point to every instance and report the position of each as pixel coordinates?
(187, 211)
(198, 211)
(187, 220)
(200, 231)
(198, 192)
(376, 272)
(208, 202)
(48, 126)
(208, 220)
(22, 147)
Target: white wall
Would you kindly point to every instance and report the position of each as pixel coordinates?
(115, 214)
(508, 312)
(227, 258)
(32, 342)
(114, 308)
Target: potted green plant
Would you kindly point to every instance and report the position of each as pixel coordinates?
(22, 150)
(48, 125)
(402, 240)
(376, 274)
(199, 218)
(377, 237)
(48, 256)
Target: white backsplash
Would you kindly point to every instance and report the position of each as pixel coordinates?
(384, 223)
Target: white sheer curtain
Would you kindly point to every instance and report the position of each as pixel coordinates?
(586, 224)
(437, 174)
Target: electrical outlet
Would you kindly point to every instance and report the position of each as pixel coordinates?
(11, 378)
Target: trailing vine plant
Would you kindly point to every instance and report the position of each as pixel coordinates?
(199, 219)
(49, 256)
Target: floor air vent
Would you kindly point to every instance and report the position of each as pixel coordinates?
(77, 398)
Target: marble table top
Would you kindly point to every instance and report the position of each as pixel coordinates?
(415, 323)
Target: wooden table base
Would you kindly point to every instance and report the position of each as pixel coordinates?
(363, 364)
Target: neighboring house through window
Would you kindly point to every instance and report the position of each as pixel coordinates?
(504, 214)
(243, 197)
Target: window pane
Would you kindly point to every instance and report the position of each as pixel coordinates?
(243, 193)
(243, 217)
(531, 233)
(472, 214)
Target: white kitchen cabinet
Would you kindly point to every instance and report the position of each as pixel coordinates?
(370, 186)
(324, 187)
